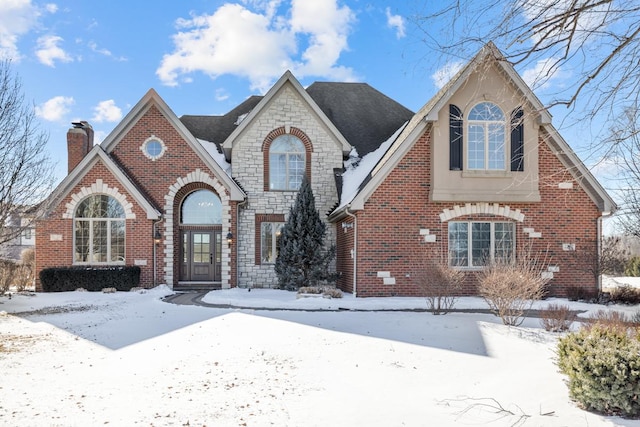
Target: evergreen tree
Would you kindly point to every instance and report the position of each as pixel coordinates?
(302, 259)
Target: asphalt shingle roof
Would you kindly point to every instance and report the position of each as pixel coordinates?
(363, 115)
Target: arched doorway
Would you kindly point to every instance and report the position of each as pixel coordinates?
(200, 237)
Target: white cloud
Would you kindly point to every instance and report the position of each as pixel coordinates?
(445, 73)
(261, 44)
(107, 111)
(106, 52)
(221, 95)
(48, 50)
(543, 74)
(17, 17)
(54, 109)
(397, 22)
(51, 7)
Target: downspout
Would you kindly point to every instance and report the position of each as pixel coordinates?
(355, 250)
(242, 204)
(155, 250)
(599, 246)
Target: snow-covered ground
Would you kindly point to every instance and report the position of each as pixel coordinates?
(128, 358)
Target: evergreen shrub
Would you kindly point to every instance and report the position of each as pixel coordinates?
(65, 279)
(302, 258)
(603, 365)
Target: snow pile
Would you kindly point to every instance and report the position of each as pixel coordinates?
(129, 358)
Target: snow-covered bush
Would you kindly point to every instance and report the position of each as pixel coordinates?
(603, 366)
(557, 318)
(25, 271)
(625, 294)
(326, 291)
(7, 270)
(439, 284)
(511, 286)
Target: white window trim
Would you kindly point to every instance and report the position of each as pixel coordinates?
(143, 148)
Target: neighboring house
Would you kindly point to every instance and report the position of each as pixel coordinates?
(21, 221)
(199, 201)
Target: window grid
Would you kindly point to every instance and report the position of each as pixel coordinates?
(486, 147)
(286, 163)
(99, 231)
(475, 243)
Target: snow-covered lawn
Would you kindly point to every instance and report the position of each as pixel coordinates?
(124, 359)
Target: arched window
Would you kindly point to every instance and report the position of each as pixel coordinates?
(201, 207)
(99, 230)
(486, 137)
(286, 163)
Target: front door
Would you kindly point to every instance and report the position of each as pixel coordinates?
(201, 256)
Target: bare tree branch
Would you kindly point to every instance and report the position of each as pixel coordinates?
(26, 173)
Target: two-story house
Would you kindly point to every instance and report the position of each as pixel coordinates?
(199, 201)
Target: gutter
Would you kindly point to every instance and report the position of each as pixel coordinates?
(355, 249)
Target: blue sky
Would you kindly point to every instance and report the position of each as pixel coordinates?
(94, 60)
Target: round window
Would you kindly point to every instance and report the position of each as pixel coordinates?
(153, 148)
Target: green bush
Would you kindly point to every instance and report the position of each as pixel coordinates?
(63, 279)
(633, 267)
(603, 366)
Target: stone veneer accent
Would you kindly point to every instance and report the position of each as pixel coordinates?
(99, 187)
(287, 113)
(481, 208)
(169, 227)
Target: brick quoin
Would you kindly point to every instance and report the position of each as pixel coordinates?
(389, 227)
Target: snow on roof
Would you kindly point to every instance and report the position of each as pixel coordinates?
(353, 178)
(217, 156)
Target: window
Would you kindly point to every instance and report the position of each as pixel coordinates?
(153, 148)
(486, 137)
(99, 230)
(201, 207)
(473, 244)
(286, 163)
(270, 233)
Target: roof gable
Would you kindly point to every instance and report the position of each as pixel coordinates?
(286, 79)
(151, 98)
(428, 114)
(98, 154)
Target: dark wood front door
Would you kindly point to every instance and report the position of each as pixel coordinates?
(201, 255)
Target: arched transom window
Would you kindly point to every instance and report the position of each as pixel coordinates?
(486, 137)
(286, 163)
(201, 207)
(99, 231)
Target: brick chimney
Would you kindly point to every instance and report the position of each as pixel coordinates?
(79, 143)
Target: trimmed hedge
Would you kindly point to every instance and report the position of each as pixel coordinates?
(64, 279)
(603, 366)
